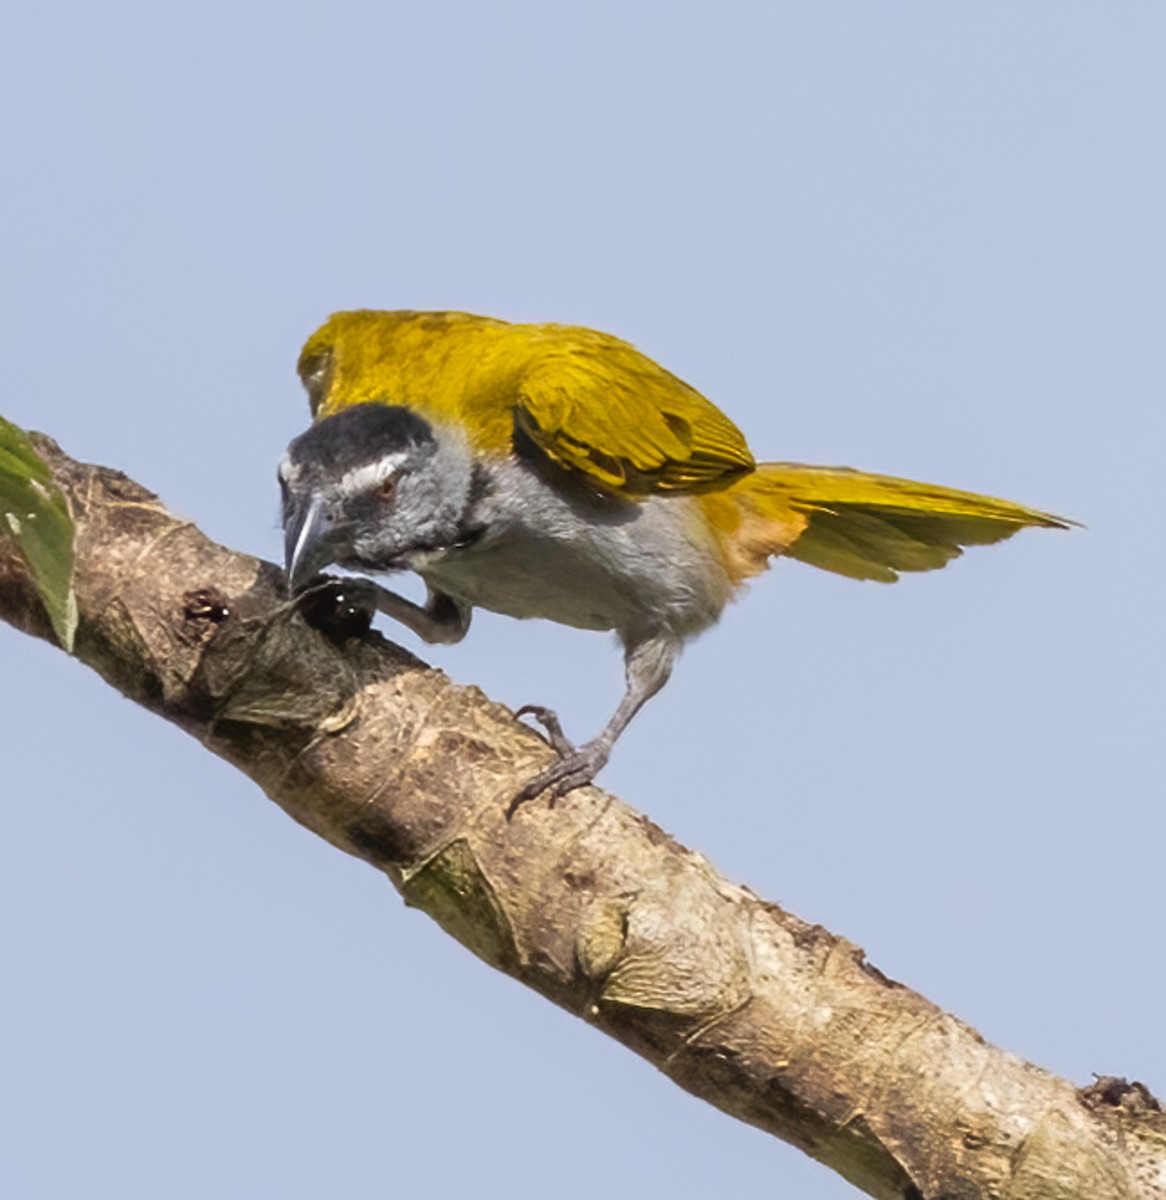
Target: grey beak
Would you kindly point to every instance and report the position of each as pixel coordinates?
(305, 547)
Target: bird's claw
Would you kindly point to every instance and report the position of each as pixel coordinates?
(549, 720)
(573, 770)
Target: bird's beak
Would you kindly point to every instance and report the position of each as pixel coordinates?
(305, 548)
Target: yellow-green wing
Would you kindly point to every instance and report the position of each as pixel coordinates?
(588, 401)
(874, 526)
(596, 405)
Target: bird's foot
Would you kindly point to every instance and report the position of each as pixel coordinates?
(549, 720)
(574, 769)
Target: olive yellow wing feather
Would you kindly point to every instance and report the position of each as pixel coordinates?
(875, 526)
(596, 405)
(590, 402)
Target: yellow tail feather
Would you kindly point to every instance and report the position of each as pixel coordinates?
(855, 524)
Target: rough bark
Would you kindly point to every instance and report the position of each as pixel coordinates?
(775, 1021)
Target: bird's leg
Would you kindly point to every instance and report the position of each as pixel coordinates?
(647, 665)
(442, 619)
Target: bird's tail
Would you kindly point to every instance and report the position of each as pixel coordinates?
(855, 524)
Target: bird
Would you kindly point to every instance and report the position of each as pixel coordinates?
(552, 471)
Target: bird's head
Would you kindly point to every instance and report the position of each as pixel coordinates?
(374, 487)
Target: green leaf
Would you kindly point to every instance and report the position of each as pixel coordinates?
(35, 517)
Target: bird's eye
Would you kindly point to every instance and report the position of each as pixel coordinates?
(386, 489)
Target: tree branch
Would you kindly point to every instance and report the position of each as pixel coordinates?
(775, 1021)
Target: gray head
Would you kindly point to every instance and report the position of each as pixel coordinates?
(374, 487)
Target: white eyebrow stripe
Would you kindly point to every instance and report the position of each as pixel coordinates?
(371, 475)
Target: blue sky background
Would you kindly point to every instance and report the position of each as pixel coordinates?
(917, 238)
